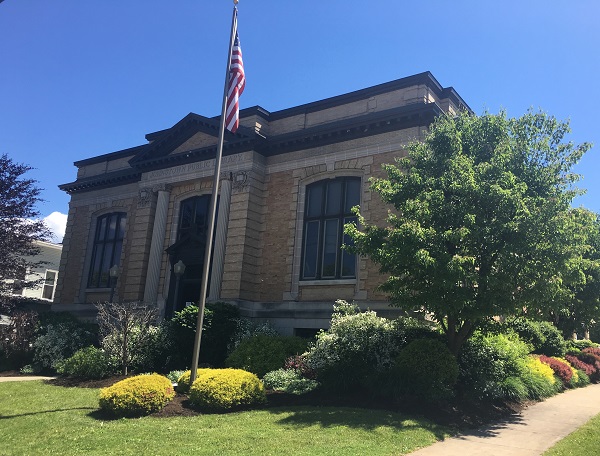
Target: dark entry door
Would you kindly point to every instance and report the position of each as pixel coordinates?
(190, 248)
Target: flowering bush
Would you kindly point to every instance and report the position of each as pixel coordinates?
(356, 345)
(289, 381)
(135, 396)
(225, 389)
(359, 347)
(560, 368)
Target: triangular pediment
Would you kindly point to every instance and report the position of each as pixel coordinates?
(197, 141)
(193, 133)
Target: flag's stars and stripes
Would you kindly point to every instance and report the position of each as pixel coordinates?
(237, 82)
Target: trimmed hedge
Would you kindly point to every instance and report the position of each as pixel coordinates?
(220, 390)
(183, 382)
(137, 396)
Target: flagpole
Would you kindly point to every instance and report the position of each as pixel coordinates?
(213, 206)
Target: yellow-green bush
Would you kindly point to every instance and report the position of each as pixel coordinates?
(183, 383)
(538, 378)
(135, 396)
(225, 389)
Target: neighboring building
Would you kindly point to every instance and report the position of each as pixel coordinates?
(289, 179)
(45, 274)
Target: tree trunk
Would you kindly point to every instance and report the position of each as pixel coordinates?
(457, 335)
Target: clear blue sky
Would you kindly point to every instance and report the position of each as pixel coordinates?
(79, 79)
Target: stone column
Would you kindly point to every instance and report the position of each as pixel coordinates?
(220, 241)
(157, 246)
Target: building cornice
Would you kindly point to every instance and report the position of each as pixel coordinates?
(100, 181)
(158, 153)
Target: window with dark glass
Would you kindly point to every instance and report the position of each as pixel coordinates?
(328, 207)
(193, 217)
(108, 243)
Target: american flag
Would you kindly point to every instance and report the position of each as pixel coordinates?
(237, 82)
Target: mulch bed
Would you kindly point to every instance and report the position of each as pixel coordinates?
(459, 414)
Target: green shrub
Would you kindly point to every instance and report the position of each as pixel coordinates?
(183, 382)
(543, 336)
(28, 369)
(426, 368)
(578, 345)
(247, 328)
(261, 353)
(136, 396)
(580, 379)
(357, 345)
(554, 344)
(151, 354)
(487, 360)
(289, 381)
(513, 389)
(87, 363)
(175, 375)
(218, 335)
(529, 331)
(60, 341)
(221, 390)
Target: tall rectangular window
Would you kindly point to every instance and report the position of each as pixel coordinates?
(108, 243)
(328, 206)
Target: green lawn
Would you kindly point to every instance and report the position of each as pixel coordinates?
(585, 441)
(36, 418)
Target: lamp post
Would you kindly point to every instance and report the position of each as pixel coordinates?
(113, 274)
(178, 270)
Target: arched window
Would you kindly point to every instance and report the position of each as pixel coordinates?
(108, 243)
(328, 206)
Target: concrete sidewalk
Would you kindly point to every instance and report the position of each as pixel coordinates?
(532, 432)
(24, 378)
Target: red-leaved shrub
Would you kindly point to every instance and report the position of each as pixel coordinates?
(298, 363)
(592, 350)
(562, 370)
(578, 364)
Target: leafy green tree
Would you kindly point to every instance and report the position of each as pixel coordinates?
(481, 219)
(20, 225)
(581, 310)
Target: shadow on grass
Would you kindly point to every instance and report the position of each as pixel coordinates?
(6, 417)
(356, 418)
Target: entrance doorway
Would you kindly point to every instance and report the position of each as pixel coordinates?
(190, 248)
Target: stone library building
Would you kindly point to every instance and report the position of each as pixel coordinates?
(138, 217)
